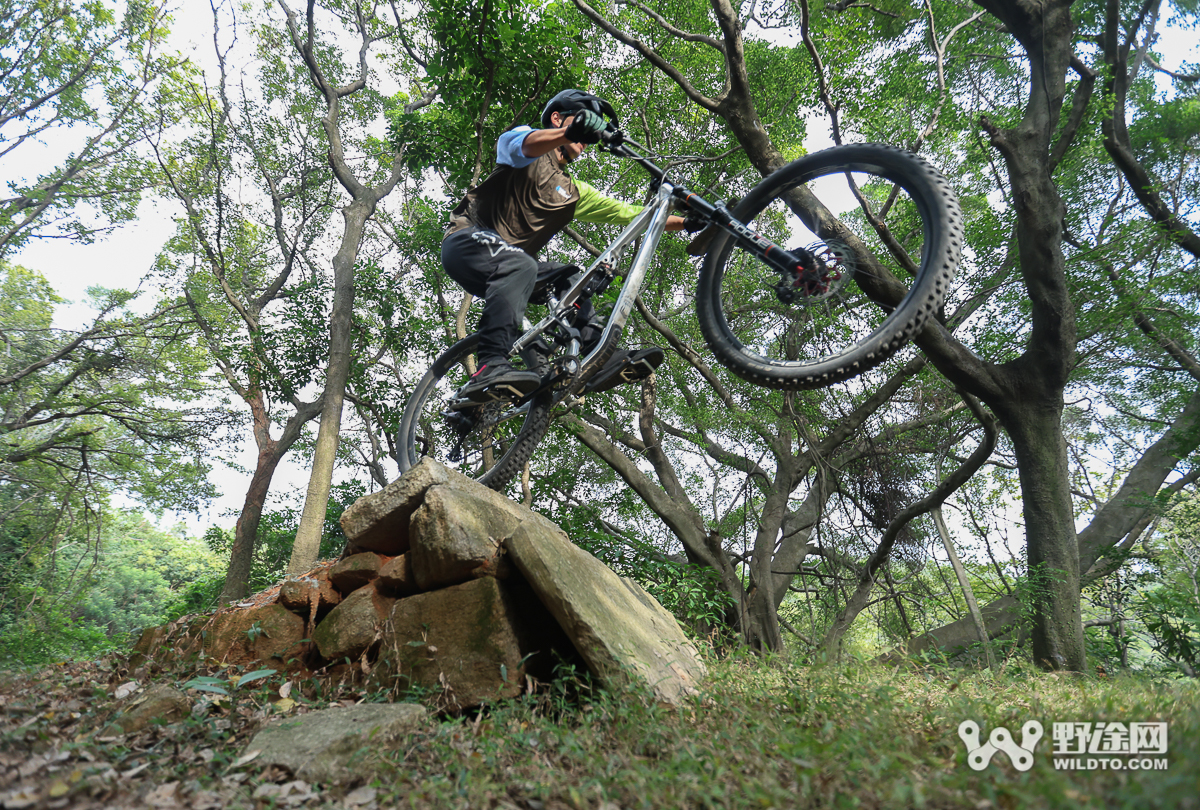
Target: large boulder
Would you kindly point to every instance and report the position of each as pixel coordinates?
(158, 704)
(337, 745)
(396, 577)
(355, 571)
(464, 593)
(299, 594)
(379, 521)
(353, 626)
(624, 634)
(174, 641)
(456, 535)
(270, 634)
(473, 643)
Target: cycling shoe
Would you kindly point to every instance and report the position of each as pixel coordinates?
(624, 367)
(499, 381)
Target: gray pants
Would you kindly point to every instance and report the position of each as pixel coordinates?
(504, 276)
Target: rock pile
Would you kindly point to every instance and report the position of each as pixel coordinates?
(449, 586)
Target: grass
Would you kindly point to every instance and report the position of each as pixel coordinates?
(791, 736)
(774, 734)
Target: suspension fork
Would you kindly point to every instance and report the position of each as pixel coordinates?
(797, 268)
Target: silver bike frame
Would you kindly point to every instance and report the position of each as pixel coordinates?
(652, 221)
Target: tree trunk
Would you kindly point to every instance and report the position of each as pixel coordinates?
(307, 546)
(245, 534)
(270, 453)
(965, 584)
(1053, 553)
(762, 625)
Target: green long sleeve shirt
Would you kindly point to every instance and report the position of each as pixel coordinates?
(596, 207)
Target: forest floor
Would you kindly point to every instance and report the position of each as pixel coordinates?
(760, 734)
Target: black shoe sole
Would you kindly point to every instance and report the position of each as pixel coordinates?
(638, 366)
(497, 390)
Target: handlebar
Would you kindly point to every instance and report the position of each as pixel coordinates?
(788, 263)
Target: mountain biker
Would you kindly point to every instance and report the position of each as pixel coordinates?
(500, 225)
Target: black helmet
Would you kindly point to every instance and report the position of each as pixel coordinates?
(569, 101)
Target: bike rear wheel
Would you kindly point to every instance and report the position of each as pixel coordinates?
(489, 443)
(886, 230)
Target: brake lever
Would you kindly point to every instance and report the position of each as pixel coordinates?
(699, 244)
(612, 137)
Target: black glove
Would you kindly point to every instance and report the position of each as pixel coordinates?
(694, 222)
(586, 127)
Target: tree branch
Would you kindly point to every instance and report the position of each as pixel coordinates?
(650, 55)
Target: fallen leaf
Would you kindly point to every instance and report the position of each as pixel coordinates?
(58, 789)
(297, 792)
(31, 766)
(125, 690)
(132, 772)
(25, 797)
(284, 705)
(246, 757)
(163, 795)
(266, 790)
(359, 797)
(286, 689)
(207, 800)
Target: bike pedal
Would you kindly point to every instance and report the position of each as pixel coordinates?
(637, 370)
(460, 404)
(500, 393)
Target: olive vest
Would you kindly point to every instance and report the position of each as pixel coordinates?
(527, 206)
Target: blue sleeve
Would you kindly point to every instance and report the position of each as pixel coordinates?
(508, 148)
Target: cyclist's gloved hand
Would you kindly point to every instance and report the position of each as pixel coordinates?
(694, 222)
(586, 127)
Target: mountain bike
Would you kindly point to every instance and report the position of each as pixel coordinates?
(824, 270)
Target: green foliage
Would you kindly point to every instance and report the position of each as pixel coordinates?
(113, 405)
(88, 594)
(38, 639)
(1170, 609)
(230, 684)
(494, 64)
(1173, 619)
(276, 534)
(92, 80)
(83, 414)
(142, 573)
(692, 593)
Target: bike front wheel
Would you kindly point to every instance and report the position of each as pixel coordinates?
(489, 443)
(886, 231)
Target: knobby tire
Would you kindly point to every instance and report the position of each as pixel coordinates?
(424, 424)
(884, 284)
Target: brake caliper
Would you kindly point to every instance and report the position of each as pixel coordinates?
(811, 277)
